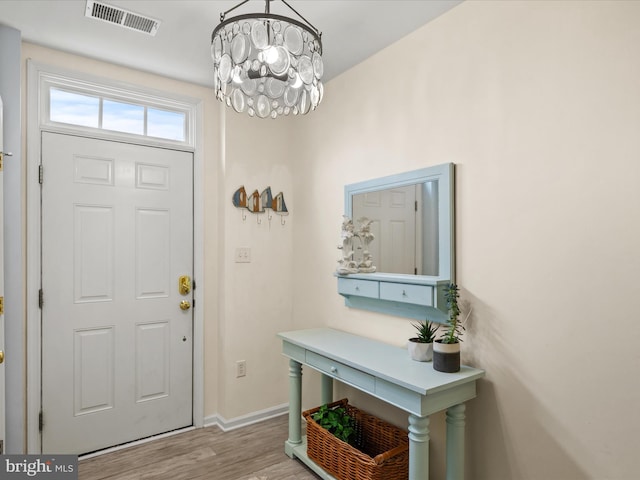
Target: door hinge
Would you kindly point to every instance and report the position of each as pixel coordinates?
(40, 421)
(1, 447)
(40, 298)
(415, 270)
(2, 155)
(416, 205)
(193, 303)
(193, 284)
(40, 174)
(1, 305)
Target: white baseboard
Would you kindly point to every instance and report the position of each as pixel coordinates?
(244, 420)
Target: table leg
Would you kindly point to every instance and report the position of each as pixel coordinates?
(326, 389)
(455, 442)
(295, 407)
(418, 448)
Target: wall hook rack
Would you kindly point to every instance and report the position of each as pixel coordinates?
(260, 202)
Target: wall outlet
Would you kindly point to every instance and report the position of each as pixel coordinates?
(241, 368)
(243, 255)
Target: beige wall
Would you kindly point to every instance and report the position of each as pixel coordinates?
(255, 297)
(538, 104)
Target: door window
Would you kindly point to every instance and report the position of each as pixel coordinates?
(116, 113)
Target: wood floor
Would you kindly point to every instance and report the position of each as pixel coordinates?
(255, 452)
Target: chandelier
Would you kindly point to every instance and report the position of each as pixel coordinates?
(267, 65)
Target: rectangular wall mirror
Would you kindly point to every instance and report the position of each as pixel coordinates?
(413, 222)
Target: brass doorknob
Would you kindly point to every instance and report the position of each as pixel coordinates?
(185, 305)
(1, 356)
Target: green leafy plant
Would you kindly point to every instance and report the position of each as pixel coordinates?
(338, 421)
(454, 327)
(426, 332)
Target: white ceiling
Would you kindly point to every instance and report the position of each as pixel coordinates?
(352, 30)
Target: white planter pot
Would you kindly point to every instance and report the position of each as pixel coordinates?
(446, 347)
(421, 352)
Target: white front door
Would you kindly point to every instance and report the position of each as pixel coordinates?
(393, 215)
(117, 233)
(2, 385)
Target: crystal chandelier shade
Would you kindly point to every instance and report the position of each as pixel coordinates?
(267, 65)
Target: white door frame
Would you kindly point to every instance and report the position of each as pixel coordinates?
(35, 72)
(3, 384)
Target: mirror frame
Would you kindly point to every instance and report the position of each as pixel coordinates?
(444, 175)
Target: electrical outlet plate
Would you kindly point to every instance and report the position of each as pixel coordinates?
(243, 255)
(241, 368)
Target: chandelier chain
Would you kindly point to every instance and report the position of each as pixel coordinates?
(224, 14)
(267, 10)
(305, 20)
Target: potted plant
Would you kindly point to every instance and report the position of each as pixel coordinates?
(421, 347)
(446, 350)
(337, 420)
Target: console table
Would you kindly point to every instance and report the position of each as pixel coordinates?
(386, 372)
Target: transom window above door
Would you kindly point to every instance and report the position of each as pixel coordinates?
(108, 111)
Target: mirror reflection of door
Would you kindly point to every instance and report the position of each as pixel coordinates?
(405, 225)
(393, 212)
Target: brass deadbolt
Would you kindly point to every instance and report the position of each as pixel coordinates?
(184, 285)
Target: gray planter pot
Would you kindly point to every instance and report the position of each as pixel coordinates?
(446, 357)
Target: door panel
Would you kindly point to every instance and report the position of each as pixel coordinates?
(93, 275)
(152, 361)
(93, 370)
(117, 233)
(153, 229)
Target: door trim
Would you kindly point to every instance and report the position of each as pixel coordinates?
(34, 130)
(3, 377)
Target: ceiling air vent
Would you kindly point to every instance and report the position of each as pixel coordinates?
(119, 16)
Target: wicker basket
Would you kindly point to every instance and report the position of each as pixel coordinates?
(382, 453)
